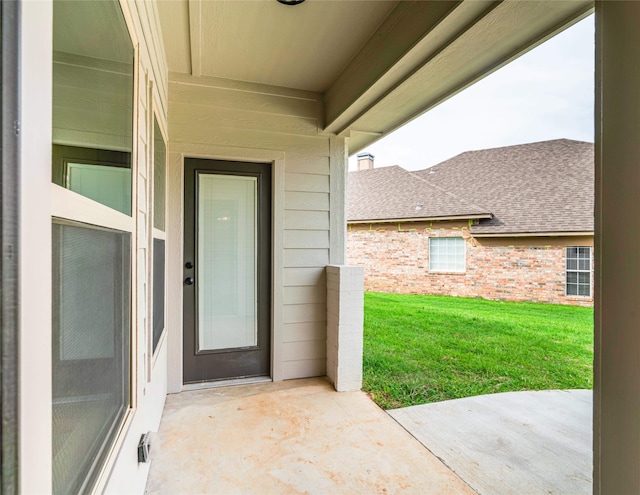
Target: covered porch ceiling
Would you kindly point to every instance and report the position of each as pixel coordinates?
(377, 64)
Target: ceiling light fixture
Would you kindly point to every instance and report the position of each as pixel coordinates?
(290, 2)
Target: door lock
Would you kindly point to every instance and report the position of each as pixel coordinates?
(188, 280)
(188, 265)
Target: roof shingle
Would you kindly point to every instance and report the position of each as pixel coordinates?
(530, 188)
(391, 193)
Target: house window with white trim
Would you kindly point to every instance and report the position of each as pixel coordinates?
(447, 254)
(578, 271)
(94, 237)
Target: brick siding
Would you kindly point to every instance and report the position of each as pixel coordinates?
(396, 259)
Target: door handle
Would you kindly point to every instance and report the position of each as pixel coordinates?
(188, 280)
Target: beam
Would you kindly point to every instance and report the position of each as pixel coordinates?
(472, 41)
(195, 36)
(397, 48)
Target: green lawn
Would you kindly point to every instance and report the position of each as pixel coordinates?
(420, 349)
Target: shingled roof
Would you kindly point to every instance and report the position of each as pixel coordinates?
(392, 193)
(536, 188)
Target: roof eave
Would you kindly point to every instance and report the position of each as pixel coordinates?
(534, 234)
(423, 219)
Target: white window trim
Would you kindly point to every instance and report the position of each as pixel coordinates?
(577, 270)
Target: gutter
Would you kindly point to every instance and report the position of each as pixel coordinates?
(422, 219)
(533, 234)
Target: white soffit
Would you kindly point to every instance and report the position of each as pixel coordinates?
(303, 46)
(378, 64)
(174, 20)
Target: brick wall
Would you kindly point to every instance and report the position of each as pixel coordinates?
(396, 259)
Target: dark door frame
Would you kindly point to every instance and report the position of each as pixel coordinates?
(9, 233)
(264, 350)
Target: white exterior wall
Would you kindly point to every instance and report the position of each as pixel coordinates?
(149, 383)
(229, 120)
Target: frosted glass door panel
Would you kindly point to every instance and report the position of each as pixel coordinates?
(226, 264)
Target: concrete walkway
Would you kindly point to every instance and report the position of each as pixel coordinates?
(286, 438)
(512, 443)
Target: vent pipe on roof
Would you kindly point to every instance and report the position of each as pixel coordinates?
(365, 161)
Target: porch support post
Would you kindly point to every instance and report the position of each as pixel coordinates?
(617, 296)
(345, 318)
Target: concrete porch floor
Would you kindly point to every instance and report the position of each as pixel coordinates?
(525, 443)
(289, 437)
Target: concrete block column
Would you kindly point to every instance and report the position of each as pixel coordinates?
(345, 319)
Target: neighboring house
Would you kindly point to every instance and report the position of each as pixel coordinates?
(125, 121)
(512, 223)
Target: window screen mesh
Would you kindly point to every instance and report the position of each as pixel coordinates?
(159, 177)
(158, 290)
(91, 273)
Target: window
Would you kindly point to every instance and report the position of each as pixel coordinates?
(447, 254)
(159, 176)
(159, 195)
(91, 274)
(101, 175)
(93, 88)
(93, 67)
(158, 290)
(578, 271)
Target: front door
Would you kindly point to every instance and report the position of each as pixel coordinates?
(226, 270)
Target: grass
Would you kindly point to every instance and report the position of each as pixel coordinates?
(420, 349)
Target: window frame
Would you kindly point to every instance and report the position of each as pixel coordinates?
(68, 207)
(157, 234)
(102, 450)
(577, 271)
(464, 255)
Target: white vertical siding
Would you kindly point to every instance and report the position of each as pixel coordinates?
(150, 379)
(236, 121)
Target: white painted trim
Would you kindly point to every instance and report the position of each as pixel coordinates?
(149, 25)
(277, 274)
(176, 152)
(114, 451)
(339, 167)
(69, 205)
(93, 212)
(35, 244)
(159, 234)
(135, 383)
(174, 253)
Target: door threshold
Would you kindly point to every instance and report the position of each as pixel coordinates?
(187, 387)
